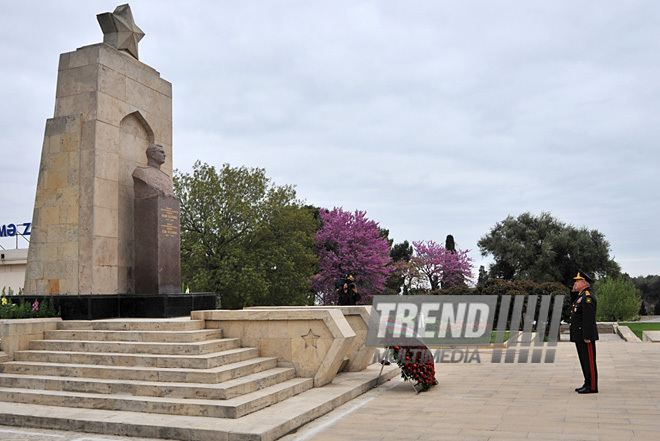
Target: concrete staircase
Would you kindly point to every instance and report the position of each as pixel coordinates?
(165, 367)
(163, 378)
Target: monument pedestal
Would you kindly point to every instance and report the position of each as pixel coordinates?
(157, 249)
(105, 306)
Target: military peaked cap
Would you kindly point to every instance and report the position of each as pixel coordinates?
(581, 275)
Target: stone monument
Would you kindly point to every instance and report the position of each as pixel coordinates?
(109, 109)
(157, 242)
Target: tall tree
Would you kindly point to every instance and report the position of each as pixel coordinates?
(483, 275)
(648, 287)
(244, 238)
(385, 234)
(440, 266)
(544, 249)
(349, 243)
(401, 251)
(450, 245)
(401, 276)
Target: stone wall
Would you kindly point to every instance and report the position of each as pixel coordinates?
(313, 341)
(16, 334)
(359, 355)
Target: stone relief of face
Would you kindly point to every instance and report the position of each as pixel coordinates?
(156, 153)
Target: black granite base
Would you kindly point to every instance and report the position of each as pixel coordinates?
(94, 307)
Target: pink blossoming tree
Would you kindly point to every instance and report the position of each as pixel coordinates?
(349, 243)
(440, 267)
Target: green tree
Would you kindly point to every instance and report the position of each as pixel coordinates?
(544, 249)
(617, 300)
(385, 234)
(244, 238)
(554, 289)
(648, 287)
(401, 251)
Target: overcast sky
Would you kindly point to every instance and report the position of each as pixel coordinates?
(434, 117)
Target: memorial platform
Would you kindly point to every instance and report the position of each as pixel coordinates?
(486, 401)
(510, 401)
(106, 306)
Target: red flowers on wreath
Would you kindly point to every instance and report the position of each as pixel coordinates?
(416, 363)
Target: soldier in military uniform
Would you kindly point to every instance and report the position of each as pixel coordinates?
(584, 332)
(347, 291)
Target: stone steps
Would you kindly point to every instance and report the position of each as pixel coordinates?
(221, 391)
(136, 336)
(178, 375)
(206, 361)
(150, 378)
(231, 408)
(267, 424)
(194, 348)
(133, 325)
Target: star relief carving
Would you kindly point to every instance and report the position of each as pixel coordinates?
(310, 339)
(119, 29)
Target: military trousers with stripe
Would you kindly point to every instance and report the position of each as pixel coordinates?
(587, 354)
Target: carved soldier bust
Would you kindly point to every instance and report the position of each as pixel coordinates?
(150, 180)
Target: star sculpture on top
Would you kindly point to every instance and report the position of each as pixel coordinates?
(120, 31)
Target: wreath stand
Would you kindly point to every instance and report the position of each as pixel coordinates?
(384, 363)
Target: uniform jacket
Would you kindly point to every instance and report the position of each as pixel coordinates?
(583, 317)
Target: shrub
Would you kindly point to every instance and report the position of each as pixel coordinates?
(497, 287)
(388, 292)
(553, 289)
(525, 286)
(23, 309)
(617, 300)
(458, 290)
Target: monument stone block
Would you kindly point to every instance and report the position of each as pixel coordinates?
(105, 244)
(106, 101)
(157, 257)
(156, 228)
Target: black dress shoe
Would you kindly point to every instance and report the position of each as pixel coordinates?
(578, 388)
(585, 390)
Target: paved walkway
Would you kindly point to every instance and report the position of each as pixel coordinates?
(650, 318)
(19, 434)
(490, 401)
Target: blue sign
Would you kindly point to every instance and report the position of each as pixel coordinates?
(11, 230)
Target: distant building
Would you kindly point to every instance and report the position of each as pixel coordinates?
(12, 269)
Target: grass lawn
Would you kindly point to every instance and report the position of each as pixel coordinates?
(492, 336)
(638, 327)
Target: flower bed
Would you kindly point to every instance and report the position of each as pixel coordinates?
(15, 307)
